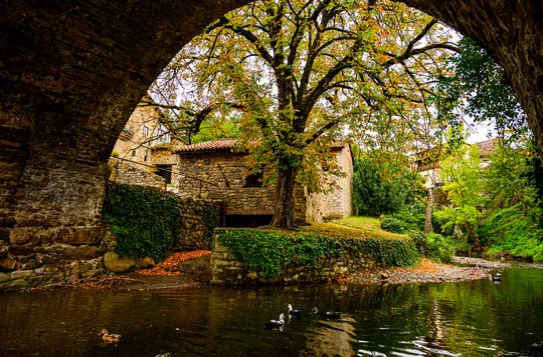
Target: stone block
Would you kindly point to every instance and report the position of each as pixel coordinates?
(31, 264)
(22, 274)
(145, 263)
(8, 263)
(79, 236)
(17, 249)
(50, 269)
(115, 263)
(15, 284)
(21, 235)
(4, 277)
(80, 252)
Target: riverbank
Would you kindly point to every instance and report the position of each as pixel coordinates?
(192, 273)
(188, 269)
(428, 271)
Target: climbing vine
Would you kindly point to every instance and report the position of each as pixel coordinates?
(212, 220)
(268, 252)
(145, 220)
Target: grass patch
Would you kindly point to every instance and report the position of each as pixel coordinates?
(340, 231)
(369, 223)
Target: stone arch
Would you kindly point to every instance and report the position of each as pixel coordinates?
(72, 71)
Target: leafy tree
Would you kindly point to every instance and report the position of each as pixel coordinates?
(294, 74)
(462, 175)
(475, 85)
(384, 188)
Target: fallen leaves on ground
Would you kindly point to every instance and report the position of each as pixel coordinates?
(424, 266)
(168, 267)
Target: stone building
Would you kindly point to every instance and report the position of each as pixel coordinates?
(214, 170)
(428, 162)
(143, 152)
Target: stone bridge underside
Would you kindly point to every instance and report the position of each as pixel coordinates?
(71, 72)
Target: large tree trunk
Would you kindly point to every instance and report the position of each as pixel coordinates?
(283, 215)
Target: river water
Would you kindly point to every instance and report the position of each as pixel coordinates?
(476, 318)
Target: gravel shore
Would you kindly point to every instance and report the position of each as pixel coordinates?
(431, 272)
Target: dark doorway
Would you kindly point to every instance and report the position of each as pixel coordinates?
(250, 221)
(164, 171)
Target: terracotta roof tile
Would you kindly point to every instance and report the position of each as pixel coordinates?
(220, 144)
(226, 144)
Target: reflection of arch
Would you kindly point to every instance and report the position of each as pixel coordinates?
(72, 71)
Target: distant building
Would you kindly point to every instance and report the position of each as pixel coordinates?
(213, 170)
(427, 163)
(143, 152)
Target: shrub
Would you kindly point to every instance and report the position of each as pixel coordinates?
(433, 246)
(268, 252)
(413, 220)
(145, 220)
(393, 225)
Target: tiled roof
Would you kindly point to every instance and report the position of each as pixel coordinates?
(220, 144)
(226, 145)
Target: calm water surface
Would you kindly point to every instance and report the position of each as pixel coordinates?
(477, 318)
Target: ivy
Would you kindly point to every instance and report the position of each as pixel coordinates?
(212, 220)
(268, 252)
(393, 225)
(145, 220)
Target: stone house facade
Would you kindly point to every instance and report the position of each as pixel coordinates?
(427, 162)
(213, 170)
(143, 152)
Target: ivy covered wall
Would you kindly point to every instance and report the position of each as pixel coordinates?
(242, 256)
(150, 222)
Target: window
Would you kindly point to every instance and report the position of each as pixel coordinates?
(162, 133)
(145, 130)
(254, 180)
(164, 171)
(133, 153)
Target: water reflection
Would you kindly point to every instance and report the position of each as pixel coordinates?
(476, 318)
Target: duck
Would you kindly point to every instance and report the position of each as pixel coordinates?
(326, 314)
(295, 313)
(109, 337)
(275, 323)
(496, 277)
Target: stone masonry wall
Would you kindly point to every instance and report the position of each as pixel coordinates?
(226, 269)
(222, 178)
(339, 202)
(130, 174)
(196, 227)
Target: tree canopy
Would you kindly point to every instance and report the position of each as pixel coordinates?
(297, 75)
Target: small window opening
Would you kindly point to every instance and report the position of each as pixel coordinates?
(254, 180)
(145, 130)
(165, 171)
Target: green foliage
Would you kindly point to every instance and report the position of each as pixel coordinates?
(479, 88)
(433, 246)
(413, 217)
(296, 85)
(510, 232)
(145, 220)
(268, 252)
(212, 220)
(384, 188)
(393, 225)
(464, 189)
